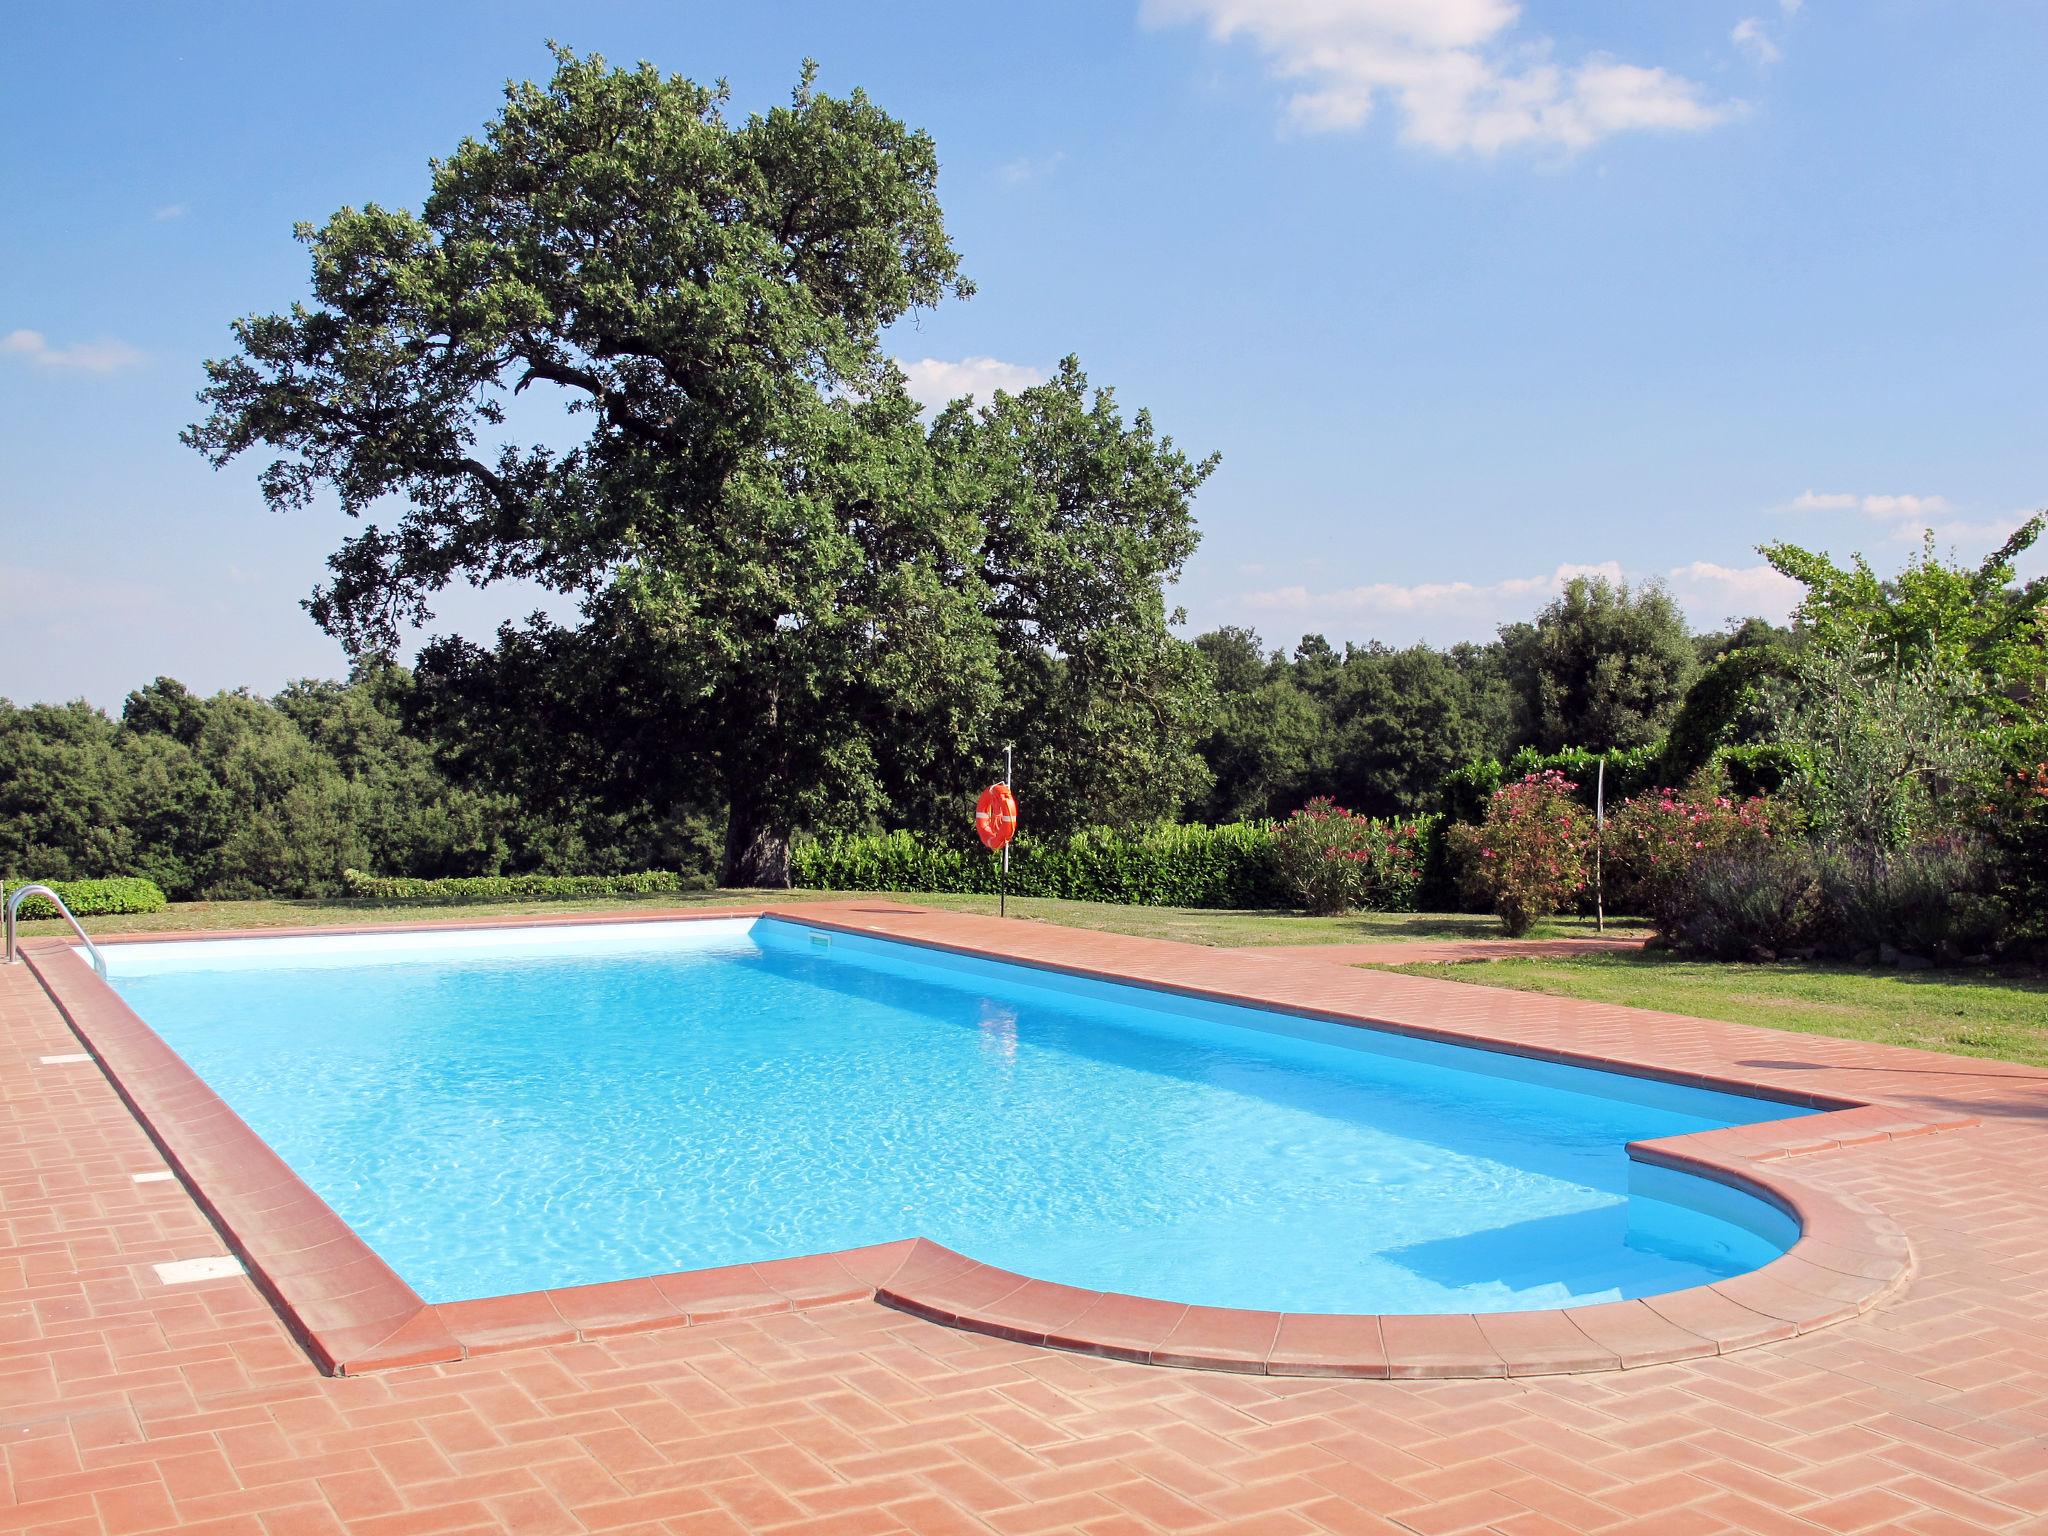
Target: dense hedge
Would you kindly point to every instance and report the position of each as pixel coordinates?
(1465, 791)
(94, 898)
(1165, 866)
(652, 882)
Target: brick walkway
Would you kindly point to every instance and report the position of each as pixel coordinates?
(127, 1405)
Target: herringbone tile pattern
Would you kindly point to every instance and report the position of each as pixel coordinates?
(129, 1406)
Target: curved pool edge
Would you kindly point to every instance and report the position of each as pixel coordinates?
(354, 1314)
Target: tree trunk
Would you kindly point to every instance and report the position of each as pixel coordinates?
(756, 848)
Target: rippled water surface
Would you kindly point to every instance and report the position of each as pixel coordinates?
(552, 1107)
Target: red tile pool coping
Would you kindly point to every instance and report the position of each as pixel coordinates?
(354, 1314)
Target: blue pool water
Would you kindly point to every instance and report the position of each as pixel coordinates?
(507, 1110)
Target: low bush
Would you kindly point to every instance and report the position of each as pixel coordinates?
(95, 898)
(653, 882)
(1169, 865)
(1935, 900)
(1748, 903)
(1330, 860)
(1532, 855)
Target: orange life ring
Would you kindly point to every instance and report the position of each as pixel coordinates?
(995, 815)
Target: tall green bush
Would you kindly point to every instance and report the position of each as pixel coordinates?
(2016, 827)
(652, 882)
(1169, 865)
(1190, 866)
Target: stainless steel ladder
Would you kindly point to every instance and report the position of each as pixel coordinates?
(22, 893)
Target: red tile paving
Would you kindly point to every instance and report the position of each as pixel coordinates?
(127, 1405)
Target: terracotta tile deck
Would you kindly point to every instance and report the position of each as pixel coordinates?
(128, 1405)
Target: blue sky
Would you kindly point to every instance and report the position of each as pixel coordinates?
(1466, 293)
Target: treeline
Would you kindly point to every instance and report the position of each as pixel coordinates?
(237, 795)
(1603, 669)
(1889, 707)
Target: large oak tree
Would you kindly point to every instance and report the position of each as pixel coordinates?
(794, 599)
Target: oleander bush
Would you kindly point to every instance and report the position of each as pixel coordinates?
(1532, 855)
(1465, 793)
(95, 898)
(1330, 860)
(1656, 837)
(471, 888)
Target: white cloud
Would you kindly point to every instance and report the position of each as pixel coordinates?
(1885, 507)
(1461, 598)
(168, 212)
(1751, 36)
(935, 382)
(1442, 611)
(103, 356)
(1460, 83)
(1031, 167)
(1711, 594)
(1972, 536)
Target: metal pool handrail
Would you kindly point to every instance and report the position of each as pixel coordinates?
(21, 894)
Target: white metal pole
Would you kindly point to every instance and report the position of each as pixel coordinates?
(1600, 850)
(1003, 886)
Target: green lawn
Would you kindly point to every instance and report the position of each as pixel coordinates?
(1975, 1012)
(1191, 926)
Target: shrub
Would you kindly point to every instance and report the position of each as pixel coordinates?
(1532, 855)
(1656, 837)
(1888, 749)
(1726, 704)
(1751, 902)
(95, 898)
(1466, 792)
(2016, 829)
(1759, 768)
(1167, 865)
(1935, 900)
(1330, 860)
(653, 882)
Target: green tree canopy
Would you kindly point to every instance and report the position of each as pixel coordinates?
(1604, 666)
(1407, 717)
(795, 601)
(1981, 620)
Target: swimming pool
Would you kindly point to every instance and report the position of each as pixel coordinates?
(505, 1110)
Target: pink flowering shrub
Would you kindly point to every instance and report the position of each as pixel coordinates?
(1532, 855)
(1655, 839)
(1331, 860)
